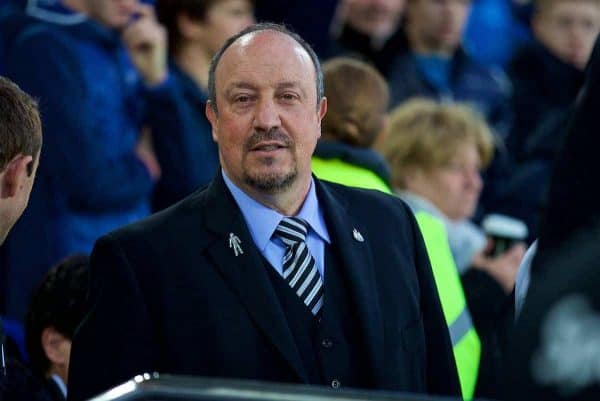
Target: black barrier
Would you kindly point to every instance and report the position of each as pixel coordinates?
(182, 388)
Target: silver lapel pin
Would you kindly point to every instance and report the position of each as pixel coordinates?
(235, 243)
(357, 235)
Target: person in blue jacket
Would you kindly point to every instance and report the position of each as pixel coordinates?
(196, 29)
(103, 87)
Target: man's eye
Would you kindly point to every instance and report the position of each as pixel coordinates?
(242, 99)
(289, 96)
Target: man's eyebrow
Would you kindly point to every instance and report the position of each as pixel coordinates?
(239, 85)
(291, 85)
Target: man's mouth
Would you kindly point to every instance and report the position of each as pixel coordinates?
(268, 147)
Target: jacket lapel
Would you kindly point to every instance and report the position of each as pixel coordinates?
(346, 233)
(245, 271)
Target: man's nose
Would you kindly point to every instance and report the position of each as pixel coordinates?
(266, 116)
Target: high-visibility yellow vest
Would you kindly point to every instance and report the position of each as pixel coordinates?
(336, 170)
(465, 341)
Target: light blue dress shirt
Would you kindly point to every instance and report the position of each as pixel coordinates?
(263, 221)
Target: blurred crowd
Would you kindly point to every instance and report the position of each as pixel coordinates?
(459, 107)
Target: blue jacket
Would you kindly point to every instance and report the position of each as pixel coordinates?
(486, 88)
(192, 161)
(15, 15)
(90, 181)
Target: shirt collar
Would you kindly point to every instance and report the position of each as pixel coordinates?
(61, 385)
(254, 211)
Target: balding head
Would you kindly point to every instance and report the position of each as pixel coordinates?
(244, 38)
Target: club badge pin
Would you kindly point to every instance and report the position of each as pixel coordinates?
(235, 244)
(357, 235)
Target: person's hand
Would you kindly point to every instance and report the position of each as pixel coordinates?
(503, 268)
(145, 152)
(146, 42)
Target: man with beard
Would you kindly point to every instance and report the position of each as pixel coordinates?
(267, 274)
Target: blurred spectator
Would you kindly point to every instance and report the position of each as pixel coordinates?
(99, 83)
(487, 18)
(357, 97)
(564, 32)
(438, 67)
(56, 309)
(196, 29)
(547, 76)
(436, 152)
(311, 19)
(16, 14)
(370, 30)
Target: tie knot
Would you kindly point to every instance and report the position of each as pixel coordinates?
(292, 230)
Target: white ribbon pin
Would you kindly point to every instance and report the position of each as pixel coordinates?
(357, 235)
(235, 243)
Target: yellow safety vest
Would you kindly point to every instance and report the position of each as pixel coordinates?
(465, 341)
(336, 170)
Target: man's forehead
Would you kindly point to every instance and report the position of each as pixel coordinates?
(240, 53)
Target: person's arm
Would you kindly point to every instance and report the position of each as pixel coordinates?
(74, 154)
(115, 340)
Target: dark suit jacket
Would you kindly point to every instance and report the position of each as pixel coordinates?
(168, 294)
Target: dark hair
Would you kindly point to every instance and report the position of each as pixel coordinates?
(263, 26)
(358, 98)
(167, 12)
(59, 302)
(20, 125)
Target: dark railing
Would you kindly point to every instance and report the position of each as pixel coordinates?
(156, 387)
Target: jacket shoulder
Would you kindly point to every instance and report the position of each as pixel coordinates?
(167, 225)
(369, 201)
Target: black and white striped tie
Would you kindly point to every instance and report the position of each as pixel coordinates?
(299, 267)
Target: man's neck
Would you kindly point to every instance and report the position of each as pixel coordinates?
(287, 202)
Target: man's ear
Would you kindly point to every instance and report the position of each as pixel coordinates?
(321, 111)
(322, 108)
(54, 346)
(212, 118)
(14, 175)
